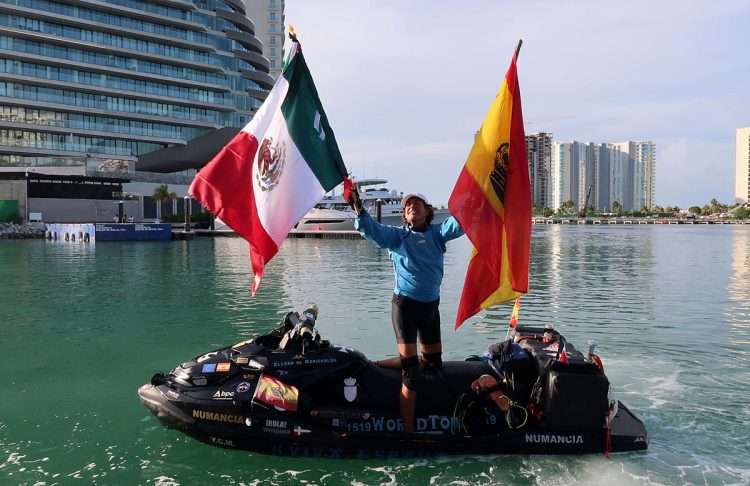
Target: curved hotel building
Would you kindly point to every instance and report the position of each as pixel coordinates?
(89, 86)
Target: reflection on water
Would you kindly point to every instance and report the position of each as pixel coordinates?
(84, 325)
(738, 289)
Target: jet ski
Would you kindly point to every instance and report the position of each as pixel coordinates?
(290, 392)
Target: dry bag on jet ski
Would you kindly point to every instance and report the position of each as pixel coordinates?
(571, 392)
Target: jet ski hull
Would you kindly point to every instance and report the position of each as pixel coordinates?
(277, 436)
(277, 395)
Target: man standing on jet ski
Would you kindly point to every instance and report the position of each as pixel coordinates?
(416, 250)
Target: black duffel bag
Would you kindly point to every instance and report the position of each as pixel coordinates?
(572, 393)
(575, 398)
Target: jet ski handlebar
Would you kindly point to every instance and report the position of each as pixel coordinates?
(300, 329)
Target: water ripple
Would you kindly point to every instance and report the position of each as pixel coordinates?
(87, 324)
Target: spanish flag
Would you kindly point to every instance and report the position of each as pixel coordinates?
(275, 393)
(514, 315)
(492, 202)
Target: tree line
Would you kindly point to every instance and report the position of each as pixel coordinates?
(712, 208)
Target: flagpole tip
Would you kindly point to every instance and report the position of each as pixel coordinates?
(518, 48)
(292, 33)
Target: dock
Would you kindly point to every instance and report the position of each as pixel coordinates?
(179, 234)
(322, 235)
(327, 235)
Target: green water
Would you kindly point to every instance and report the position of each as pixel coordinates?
(82, 326)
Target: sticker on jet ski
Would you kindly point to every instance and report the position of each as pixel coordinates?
(431, 423)
(223, 395)
(275, 393)
(554, 439)
(350, 389)
(226, 418)
(302, 362)
(222, 442)
(280, 427)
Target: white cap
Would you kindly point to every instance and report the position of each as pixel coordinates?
(411, 195)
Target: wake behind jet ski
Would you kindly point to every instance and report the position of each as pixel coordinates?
(290, 392)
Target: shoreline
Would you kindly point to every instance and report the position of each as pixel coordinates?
(12, 231)
(631, 220)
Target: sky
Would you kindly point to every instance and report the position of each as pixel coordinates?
(405, 84)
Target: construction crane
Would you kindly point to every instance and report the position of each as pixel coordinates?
(582, 211)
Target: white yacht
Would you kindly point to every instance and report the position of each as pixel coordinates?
(332, 213)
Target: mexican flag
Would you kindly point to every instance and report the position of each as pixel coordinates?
(276, 168)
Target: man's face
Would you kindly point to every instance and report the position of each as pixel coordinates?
(415, 211)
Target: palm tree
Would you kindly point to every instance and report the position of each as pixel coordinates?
(567, 206)
(617, 208)
(161, 194)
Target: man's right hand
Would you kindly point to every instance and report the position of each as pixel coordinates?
(354, 201)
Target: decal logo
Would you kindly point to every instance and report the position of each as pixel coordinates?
(242, 360)
(218, 417)
(222, 442)
(277, 394)
(299, 430)
(255, 365)
(431, 423)
(500, 171)
(172, 395)
(554, 439)
(223, 367)
(223, 395)
(200, 381)
(350, 389)
(271, 159)
(208, 368)
(279, 424)
(272, 426)
(243, 387)
(302, 362)
(206, 356)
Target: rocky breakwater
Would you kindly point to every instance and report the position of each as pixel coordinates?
(12, 231)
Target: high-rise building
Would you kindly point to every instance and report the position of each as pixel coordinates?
(602, 176)
(642, 155)
(87, 86)
(566, 159)
(621, 179)
(268, 17)
(742, 166)
(539, 151)
(621, 172)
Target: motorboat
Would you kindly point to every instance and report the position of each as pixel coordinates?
(290, 392)
(332, 213)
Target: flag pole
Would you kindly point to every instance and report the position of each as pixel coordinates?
(518, 49)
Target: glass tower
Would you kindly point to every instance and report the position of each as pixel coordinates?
(94, 84)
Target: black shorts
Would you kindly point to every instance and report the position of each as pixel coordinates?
(410, 317)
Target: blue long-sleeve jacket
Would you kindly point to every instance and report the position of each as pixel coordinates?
(417, 255)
